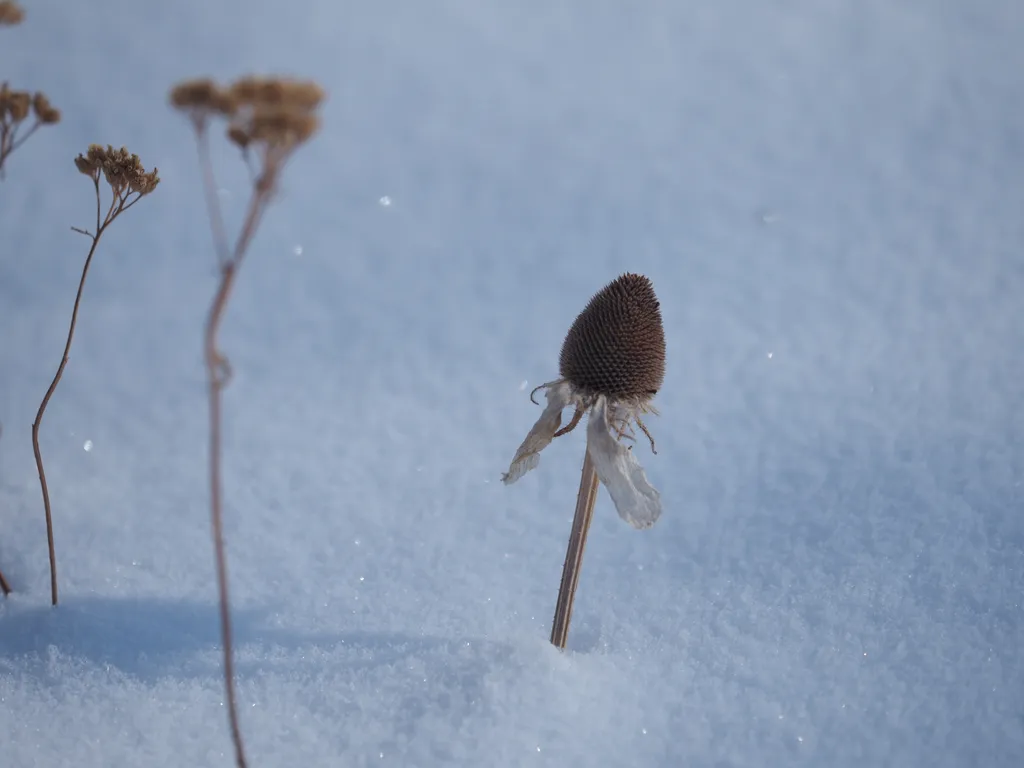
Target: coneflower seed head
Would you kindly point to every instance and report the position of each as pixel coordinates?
(616, 346)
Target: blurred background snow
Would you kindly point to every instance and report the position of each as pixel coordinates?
(827, 195)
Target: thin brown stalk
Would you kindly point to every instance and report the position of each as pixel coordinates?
(218, 373)
(4, 586)
(218, 370)
(585, 500)
(220, 241)
(128, 182)
(10, 141)
(273, 116)
(42, 408)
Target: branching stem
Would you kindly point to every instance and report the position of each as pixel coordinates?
(10, 141)
(218, 373)
(118, 205)
(272, 116)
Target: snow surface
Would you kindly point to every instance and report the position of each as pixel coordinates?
(827, 195)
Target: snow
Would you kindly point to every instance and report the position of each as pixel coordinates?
(827, 198)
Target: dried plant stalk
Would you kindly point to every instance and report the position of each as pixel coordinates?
(267, 119)
(585, 501)
(612, 364)
(4, 586)
(15, 107)
(129, 182)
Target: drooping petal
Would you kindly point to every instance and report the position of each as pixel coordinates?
(635, 499)
(559, 395)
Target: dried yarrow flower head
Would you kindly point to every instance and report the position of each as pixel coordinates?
(10, 13)
(45, 112)
(611, 365)
(14, 105)
(15, 108)
(269, 116)
(121, 169)
(202, 98)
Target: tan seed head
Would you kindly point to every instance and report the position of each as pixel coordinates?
(276, 113)
(45, 112)
(18, 105)
(121, 169)
(301, 95)
(10, 13)
(203, 96)
(616, 346)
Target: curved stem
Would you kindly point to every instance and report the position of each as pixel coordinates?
(216, 382)
(42, 409)
(218, 372)
(17, 142)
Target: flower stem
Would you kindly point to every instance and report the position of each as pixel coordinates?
(585, 500)
(42, 409)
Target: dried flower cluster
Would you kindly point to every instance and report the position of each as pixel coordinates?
(15, 108)
(10, 13)
(121, 169)
(271, 115)
(612, 363)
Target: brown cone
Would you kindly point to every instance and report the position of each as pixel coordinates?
(616, 346)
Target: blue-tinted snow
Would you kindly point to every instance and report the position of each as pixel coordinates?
(828, 198)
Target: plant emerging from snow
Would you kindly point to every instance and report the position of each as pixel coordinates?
(267, 119)
(612, 364)
(15, 108)
(129, 182)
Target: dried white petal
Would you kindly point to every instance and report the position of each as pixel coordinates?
(559, 395)
(636, 500)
